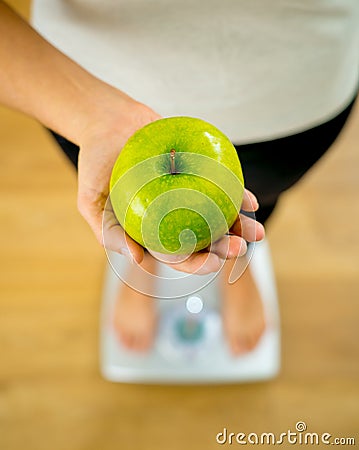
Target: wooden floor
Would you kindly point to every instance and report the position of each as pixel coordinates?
(51, 393)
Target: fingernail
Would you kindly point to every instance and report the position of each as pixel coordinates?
(125, 252)
(243, 249)
(218, 264)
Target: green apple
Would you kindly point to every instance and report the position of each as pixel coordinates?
(177, 185)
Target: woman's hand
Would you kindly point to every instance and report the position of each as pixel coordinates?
(100, 145)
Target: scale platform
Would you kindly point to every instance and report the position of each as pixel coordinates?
(189, 347)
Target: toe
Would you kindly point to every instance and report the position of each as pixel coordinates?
(136, 343)
(241, 344)
(240, 349)
(245, 344)
(238, 345)
(251, 342)
(124, 337)
(146, 343)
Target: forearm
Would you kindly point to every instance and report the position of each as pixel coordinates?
(39, 80)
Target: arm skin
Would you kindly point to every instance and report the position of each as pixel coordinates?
(39, 80)
(42, 82)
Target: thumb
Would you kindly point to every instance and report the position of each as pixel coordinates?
(115, 239)
(106, 228)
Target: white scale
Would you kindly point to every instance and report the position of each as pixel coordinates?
(190, 346)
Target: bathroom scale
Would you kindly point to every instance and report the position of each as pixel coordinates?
(190, 347)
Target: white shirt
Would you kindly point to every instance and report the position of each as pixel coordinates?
(256, 69)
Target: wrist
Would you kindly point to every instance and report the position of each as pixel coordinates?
(110, 114)
(86, 102)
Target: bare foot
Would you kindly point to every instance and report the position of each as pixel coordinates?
(242, 311)
(135, 317)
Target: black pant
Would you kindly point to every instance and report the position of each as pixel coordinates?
(270, 167)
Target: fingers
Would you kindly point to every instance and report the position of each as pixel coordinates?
(249, 202)
(99, 214)
(208, 261)
(114, 237)
(229, 247)
(244, 230)
(199, 264)
(202, 263)
(248, 228)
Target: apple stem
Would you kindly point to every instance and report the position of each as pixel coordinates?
(173, 166)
